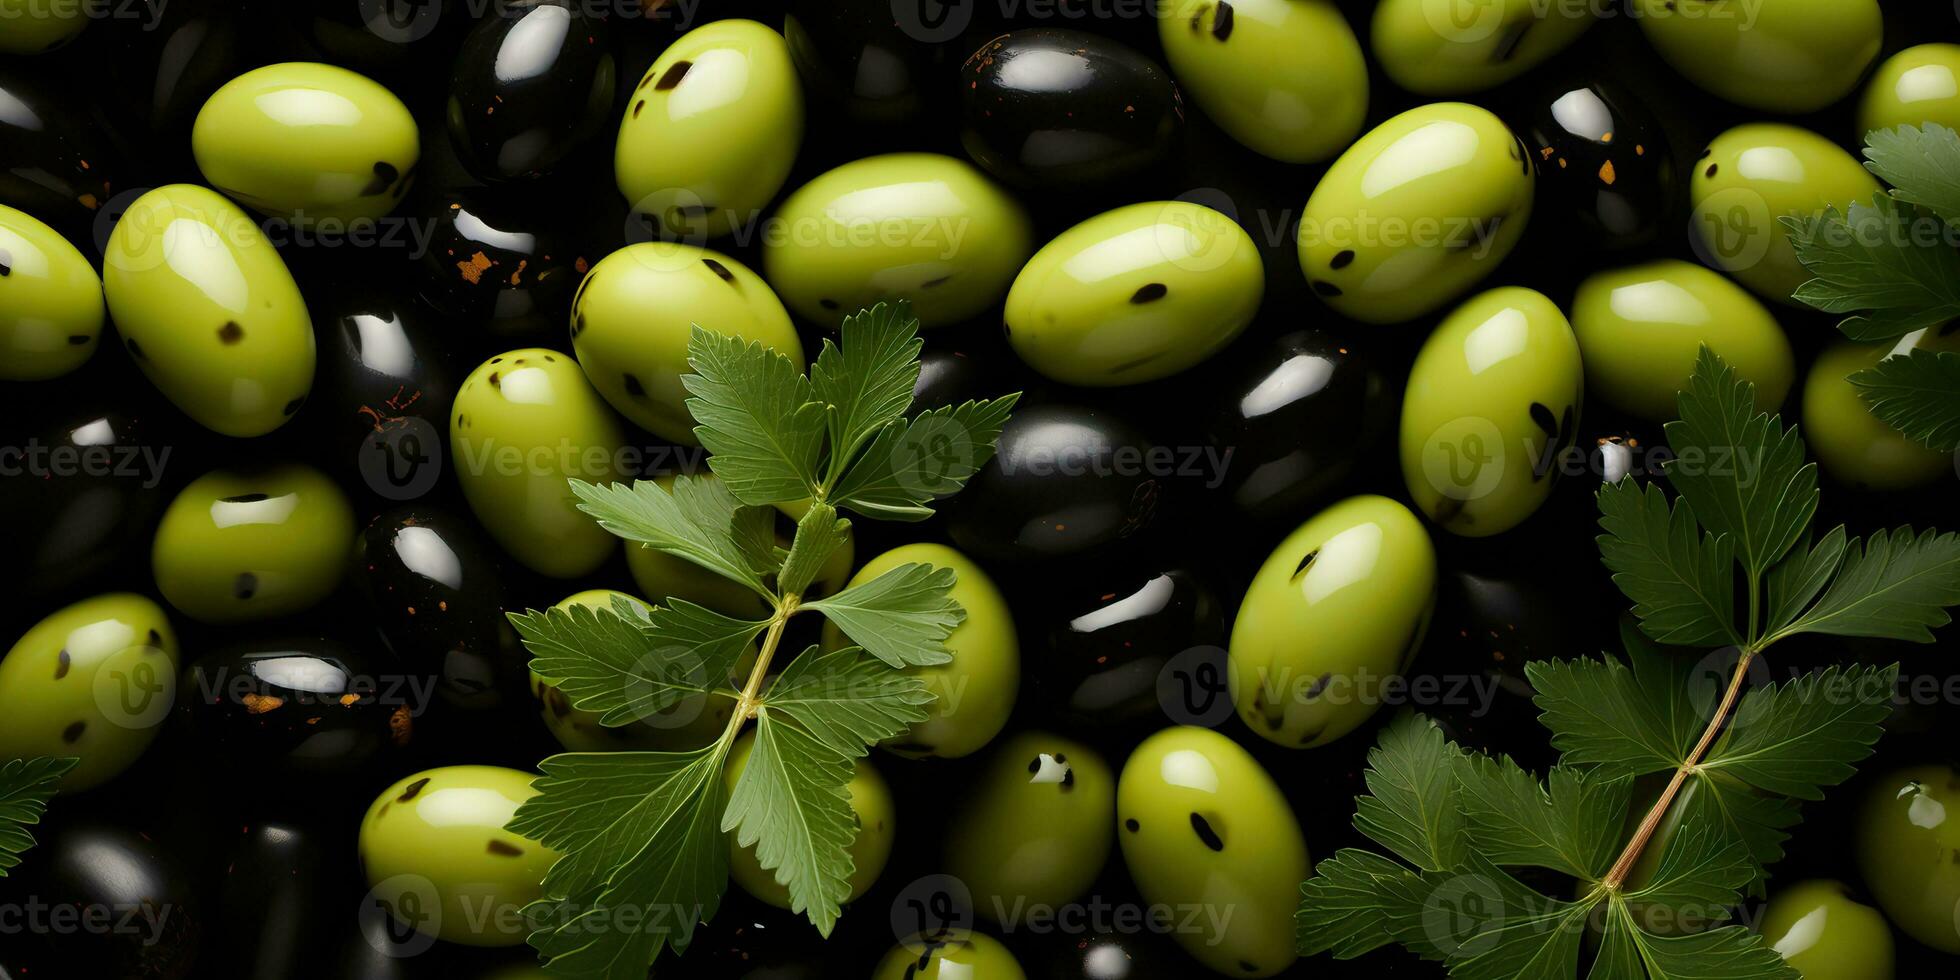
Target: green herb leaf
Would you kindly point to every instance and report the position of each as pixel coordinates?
(1514, 821)
(818, 536)
(1514, 932)
(910, 464)
(1891, 586)
(847, 700)
(1801, 575)
(1702, 873)
(1413, 808)
(26, 786)
(699, 520)
(790, 805)
(1627, 722)
(1730, 952)
(901, 617)
(758, 415)
(1868, 259)
(626, 670)
(1921, 164)
(1358, 901)
(868, 376)
(1737, 811)
(1796, 737)
(1917, 393)
(1680, 578)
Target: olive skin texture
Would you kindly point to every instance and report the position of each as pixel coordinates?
(1113, 636)
(55, 163)
(1493, 400)
(384, 388)
(1285, 79)
(1750, 176)
(434, 594)
(976, 689)
(1604, 166)
(98, 862)
(871, 807)
(307, 142)
(532, 84)
(1202, 825)
(524, 422)
(970, 956)
(1786, 57)
(1066, 110)
(701, 146)
(92, 524)
(239, 545)
(208, 310)
(1337, 608)
(50, 301)
(855, 57)
(1066, 481)
(1430, 49)
(1297, 416)
(1037, 826)
(1907, 839)
(1111, 956)
(1641, 327)
(1850, 443)
(1826, 935)
(499, 265)
(1415, 212)
(36, 27)
(1917, 86)
(634, 313)
(274, 871)
(439, 835)
(300, 707)
(1135, 294)
(92, 680)
(689, 724)
(913, 226)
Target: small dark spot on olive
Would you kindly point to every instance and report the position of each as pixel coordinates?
(1060, 757)
(1221, 22)
(1325, 288)
(409, 791)
(385, 176)
(77, 340)
(1319, 685)
(718, 269)
(73, 733)
(1131, 825)
(6, 263)
(156, 640)
(828, 304)
(673, 76)
(231, 332)
(1248, 967)
(1710, 172)
(245, 498)
(504, 849)
(1149, 293)
(129, 343)
(637, 106)
(245, 585)
(633, 386)
(1341, 259)
(496, 379)
(1034, 764)
(1068, 779)
(62, 661)
(1544, 417)
(1202, 828)
(1305, 560)
(941, 281)
(293, 406)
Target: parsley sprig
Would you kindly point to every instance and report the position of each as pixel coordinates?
(641, 833)
(26, 786)
(1738, 759)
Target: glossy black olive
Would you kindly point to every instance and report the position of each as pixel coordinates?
(1297, 417)
(1111, 637)
(957, 366)
(299, 706)
(382, 390)
(1140, 955)
(384, 38)
(129, 903)
(432, 587)
(286, 886)
(533, 82)
(1066, 481)
(169, 61)
(1605, 169)
(501, 268)
(1066, 110)
(855, 55)
(55, 160)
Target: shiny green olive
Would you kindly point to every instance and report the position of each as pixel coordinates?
(1415, 212)
(1908, 845)
(916, 226)
(635, 310)
(1917, 86)
(1640, 328)
(307, 142)
(871, 806)
(1493, 399)
(1135, 294)
(1286, 78)
(93, 680)
(1826, 935)
(247, 544)
(34, 26)
(1204, 828)
(434, 844)
(1036, 828)
(976, 688)
(1788, 56)
(524, 422)
(1448, 47)
(208, 310)
(666, 577)
(1331, 616)
(1749, 177)
(1850, 443)
(968, 956)
(689, 724)
(711, 131)
(50, 301)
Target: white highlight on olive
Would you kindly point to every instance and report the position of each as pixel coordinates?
(1049, 770)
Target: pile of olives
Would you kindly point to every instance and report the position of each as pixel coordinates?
(1329, 316)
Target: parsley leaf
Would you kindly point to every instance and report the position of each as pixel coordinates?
(1917, 393)
(698, 520)
(1514, 821)
(868, 376)
(911, 463)
(1701, 872)
(818, 535)
(847, 700)
(1358, 901)
(26, 786)
(757, 414)
(790, 805)
(1920, 164)
(901, 617)
(1412, 809)
(1761, 822)
(1680, 578)
(1801, 575)
(1622, 721)
(626, 670)
(1869, 259)
(1891, 586)
(1796, 737)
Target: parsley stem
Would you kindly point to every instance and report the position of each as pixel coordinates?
(750, 700)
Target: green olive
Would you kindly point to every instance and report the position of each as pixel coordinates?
(34, 26)
(871, 806)
(1286, 78)
(307, 142)
(635, 310)
(247, 544)
(689, 724)
(1447, 47)
(1917, 86)
(1135, 294)
(1826, 935)
(93, 680)
(1204, 828)
(666, 577)
(1037, 827)
(1415, 212)
(711, 131)
(524, 422)
(208, 310)
(434, 843)
(1493, 399)
(50, 301)
(971, 956)
(915, 226)
(1788, 56)
(1749, 177)
(1641, 327)
(1850, 443)
(976, 688)
(1908, 844)
(1332, 614)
